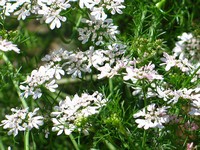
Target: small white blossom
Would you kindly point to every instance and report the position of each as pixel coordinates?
(97, 31)
(195, 109)
(8, 46)
(171, 61)
(76, 63)
(144, 72)
(152, 117)
(71, 111)
(33, 120)
(45, 76)
(22, 120)
(98, 13)
(51, 86)
(172, 96)
(48, 11)
(88, 3)
(187, 49)
(115, 6)
(98, 7)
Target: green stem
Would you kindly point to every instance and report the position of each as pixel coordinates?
(1, 145)
(110, 85)
(23, 101)
(110, 146)
(145, 106)
(26, 140)
(74, 142)
(144, 139)
(144, 94)
(10, 67)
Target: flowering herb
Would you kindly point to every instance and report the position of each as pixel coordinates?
(99, 74)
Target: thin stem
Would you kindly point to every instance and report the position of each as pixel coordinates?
(10, 67)
(74, 142)
(145, 106)
(144, 139)
(23, 101)
(110, 85)
(109, 145)
(26, 140)
(1, 145)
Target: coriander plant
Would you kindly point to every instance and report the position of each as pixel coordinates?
(99, 74)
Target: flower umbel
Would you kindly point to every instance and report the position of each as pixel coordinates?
(21, 120)
(152, 117)
(71, 111)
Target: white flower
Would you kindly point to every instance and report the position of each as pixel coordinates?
(195, 109)
(34, 121)
(187, 50)
(50, 11)
(45, 76)
(98, 13)
(171, 61)
(8, 46)
(9, 148)
(152, 117)
(60, 126)
(172, 96)
(51, 86)
(21, 120)
(105, 70)
(98, 58)
(185, 37)
(77, 63)
(98, 31)
(36, 93)
(71, 111)
(55, 20)
(27, 91)
(56, 55)
(115, 6)
(47, 10)
(164, 94)
(57, 71)
(88, 3)
(108, 71)
(23, 12)
(145, 72)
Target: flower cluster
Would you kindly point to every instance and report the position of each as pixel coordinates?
(145, 72)
(76, 63)
(45, 76)
(97, 31)
(22, 120)
(109, 61)
(70, 112)
(188, 47)
(171, 61)
(62, 61)
(195, 109)
(152, 117)
(186, 55)
(172, 96)
(100, 28)
(8, 46)
(98, 7)
(48, 11)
